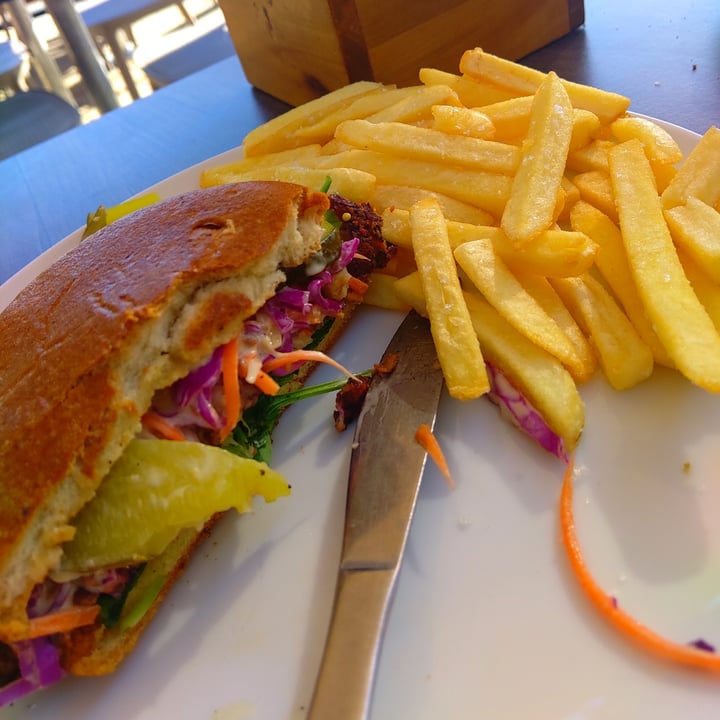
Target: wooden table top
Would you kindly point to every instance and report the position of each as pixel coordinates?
(666, 60)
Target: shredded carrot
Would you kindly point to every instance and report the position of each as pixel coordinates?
(684, 654)
(62, 621)
(231, 387)
(266, 383)
(158, 425)
(296, 356)
(424, 435)
(357, 285)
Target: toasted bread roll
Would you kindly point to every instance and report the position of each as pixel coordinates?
(86, 345)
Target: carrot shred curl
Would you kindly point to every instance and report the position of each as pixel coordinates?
(231, 387)
(158, 425)
(266, 383)
(296, 356)
(684, 654)
(357, 286)
(62, 621)
(425, 437)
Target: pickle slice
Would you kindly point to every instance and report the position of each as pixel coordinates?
(157, 488)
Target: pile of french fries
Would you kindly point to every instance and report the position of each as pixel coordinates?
(539, 226)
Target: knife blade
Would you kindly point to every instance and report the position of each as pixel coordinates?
(386, 467)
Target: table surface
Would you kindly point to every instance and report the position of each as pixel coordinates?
(666, 58)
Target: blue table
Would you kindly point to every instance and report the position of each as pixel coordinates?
(30, 117)
(48, 189)
(668, 67)
(207, 49)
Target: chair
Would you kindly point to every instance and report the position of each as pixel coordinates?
(28, 118)
(106, 19)
(34, 7)
(208, 49)
(12, 57)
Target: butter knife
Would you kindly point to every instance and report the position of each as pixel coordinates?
(386, 466)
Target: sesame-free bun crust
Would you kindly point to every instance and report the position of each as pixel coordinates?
(85, 346)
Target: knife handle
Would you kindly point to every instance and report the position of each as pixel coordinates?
(347, 672)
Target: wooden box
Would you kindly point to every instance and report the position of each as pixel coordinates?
(297, 50)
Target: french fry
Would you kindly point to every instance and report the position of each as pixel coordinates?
(410, 290)
(470, 92)
(544, 294)
(511, 120)
(324, 128)
(664, 174)
(699, 174)
(613, 265)
(381, 293)
(334, 147)
(596, 189)
(531, 207)
(434, 76)
(707, 291)
(523, 80)
(592, 156)
(559, 208)
(503, 291)
(586, 128)
(483, 65)
(462, 121)
(625, 359)
(680, 320)
(457, 345)
(584, 227)
(539, 376)
(488, 191)
(696, 227)
(223, 174)
(279, 133)
(474, 93)
(353, 184)
(541, 379)
(396, 227)
(416, 105)
(404, 196)
(572, 195)
(429, 144)
(659, 145)
(556, 253)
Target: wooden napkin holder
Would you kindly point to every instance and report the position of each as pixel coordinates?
(296, 50)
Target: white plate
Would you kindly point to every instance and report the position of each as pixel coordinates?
(487, 620)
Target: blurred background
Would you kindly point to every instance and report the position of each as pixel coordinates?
(139, 45)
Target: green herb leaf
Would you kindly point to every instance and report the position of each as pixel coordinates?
(111, 607)
(252, 436)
